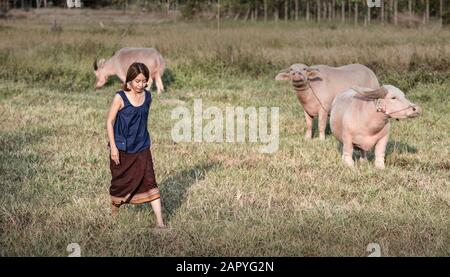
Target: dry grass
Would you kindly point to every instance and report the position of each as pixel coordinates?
(220, 199)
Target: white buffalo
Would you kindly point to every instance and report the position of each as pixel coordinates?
(119, 63)
(360, 118)
(316, 87)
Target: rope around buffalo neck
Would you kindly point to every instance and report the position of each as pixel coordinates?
(317, 98)
(383, 110)
(400, 110)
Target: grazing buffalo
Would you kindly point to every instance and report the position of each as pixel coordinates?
(118, 65)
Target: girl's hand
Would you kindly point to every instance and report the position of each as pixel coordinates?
(115, 155)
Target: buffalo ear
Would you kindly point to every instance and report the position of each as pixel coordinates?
(373, 94)
(283, 76)
(101, 62)
(312, 73)
(95, 64)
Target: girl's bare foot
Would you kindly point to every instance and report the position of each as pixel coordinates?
(160, 228)
(114, 210)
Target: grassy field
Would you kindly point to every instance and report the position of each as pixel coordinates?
(223, 199)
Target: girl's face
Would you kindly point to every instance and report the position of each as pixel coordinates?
(139, 83)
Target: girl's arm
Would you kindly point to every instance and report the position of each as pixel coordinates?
(111, 118)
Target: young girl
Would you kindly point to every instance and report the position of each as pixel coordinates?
(133, 179)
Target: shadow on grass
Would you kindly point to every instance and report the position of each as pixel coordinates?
(174, 188)
(16, 165)
(393, 147)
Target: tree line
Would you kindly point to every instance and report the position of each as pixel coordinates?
(388, 11)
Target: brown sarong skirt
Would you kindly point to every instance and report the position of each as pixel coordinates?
(133, 180)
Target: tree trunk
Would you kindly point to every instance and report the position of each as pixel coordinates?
(388, 12)
(350, 10)
(318, 10)
(265, 10)
(343, 11)
(307, 10)
(247, 14)
(296, 10)
(330, 11)
(368, 15)
(427, 11)
(356, 12)
(395, 12)
(382, 12)
(333, 10)
(286, 2)
(441, 11)
(218, 14)
(125, 6)
(409, 12)
(424, 17)
(176, 10)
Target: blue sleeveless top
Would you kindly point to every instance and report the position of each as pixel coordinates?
(130, 128)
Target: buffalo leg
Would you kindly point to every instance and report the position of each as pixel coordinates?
(309, 124)
(363, 155)
(159, 83)
(347, 151)
(380, 150)
(323, 117)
